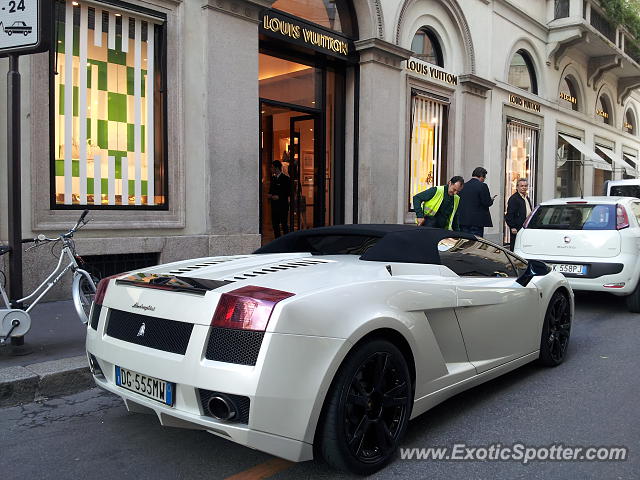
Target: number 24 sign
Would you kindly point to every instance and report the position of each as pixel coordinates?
(25, 26)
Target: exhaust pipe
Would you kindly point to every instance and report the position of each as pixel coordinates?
(222, 408)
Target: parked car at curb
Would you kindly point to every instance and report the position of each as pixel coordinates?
(623, 188)
(593, 241)
(325, 341)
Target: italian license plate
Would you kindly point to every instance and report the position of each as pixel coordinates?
(567, 268)
(149, 387)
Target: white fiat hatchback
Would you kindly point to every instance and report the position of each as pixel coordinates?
(593, 241)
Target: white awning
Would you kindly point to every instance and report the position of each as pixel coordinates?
(634, 161)
(597, 160)
(629, 170)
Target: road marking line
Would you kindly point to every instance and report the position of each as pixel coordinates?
(263, 470)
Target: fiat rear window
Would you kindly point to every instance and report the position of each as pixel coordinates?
(574, 217)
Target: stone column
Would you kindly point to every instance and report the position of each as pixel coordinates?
(232, 122)
(474, 111)
(380, 135)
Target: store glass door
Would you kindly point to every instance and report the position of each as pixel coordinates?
(307, 205)
(293, 138)
(521, 162)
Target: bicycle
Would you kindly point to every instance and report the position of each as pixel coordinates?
(16, 322)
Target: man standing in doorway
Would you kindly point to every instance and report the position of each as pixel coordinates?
(474, 204)
(518, 209)
(279, 191)
(437, 206)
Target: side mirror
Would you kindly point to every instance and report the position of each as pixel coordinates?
(534, 268)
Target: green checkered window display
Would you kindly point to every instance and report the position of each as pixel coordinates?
(107, 108)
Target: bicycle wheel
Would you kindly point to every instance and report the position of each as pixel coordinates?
(84, 291)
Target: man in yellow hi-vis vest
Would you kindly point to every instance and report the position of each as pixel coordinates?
(437, 206)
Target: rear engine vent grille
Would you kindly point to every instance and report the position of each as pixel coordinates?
(242, 404)
(274, 269)
(158, 333)
(234, 346)
(199, 265)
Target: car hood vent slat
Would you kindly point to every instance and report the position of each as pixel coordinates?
(273, 269)
(207, 264)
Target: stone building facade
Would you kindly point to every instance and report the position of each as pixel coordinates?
(364, 102)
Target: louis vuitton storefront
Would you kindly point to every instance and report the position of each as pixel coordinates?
(305, 53)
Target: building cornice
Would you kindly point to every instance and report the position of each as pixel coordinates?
(245, 9)
(475, 85)
(380, 51)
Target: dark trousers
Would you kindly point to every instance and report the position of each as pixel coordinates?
(512, 242)
(473, 230)
(280, 216)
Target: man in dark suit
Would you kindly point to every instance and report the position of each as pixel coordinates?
(279, 192)
(518, 209)
(475, 201)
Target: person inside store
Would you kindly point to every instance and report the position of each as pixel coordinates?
(475, 201)
(438, 206)
(279, 192)
(518, 209)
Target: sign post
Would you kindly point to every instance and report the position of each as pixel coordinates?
(24, 29)
(14, 176)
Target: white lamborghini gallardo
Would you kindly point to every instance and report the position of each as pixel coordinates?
(326, 340)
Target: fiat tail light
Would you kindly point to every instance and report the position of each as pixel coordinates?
(528, 219)
(247, 308)
(622, 220)
(101, 290)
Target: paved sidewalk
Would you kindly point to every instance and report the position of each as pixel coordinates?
(52, 361)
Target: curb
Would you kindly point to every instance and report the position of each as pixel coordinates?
(47, 379)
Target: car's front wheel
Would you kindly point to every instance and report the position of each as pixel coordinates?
(556, 330)
(367, 409)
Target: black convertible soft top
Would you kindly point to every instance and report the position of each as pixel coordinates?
(373, 242)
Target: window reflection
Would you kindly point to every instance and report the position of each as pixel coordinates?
(473, 258)
(522, 73)
(426, 47)
(568, 170)
(630, 122)
(603, 110)
(322, 12)
(568, 94)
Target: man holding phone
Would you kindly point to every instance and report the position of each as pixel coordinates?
(475, 201)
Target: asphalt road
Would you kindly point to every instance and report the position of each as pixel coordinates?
(590, 400)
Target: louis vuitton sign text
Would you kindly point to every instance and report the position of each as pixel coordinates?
(524, 103)
(281, 26)
(432, 72)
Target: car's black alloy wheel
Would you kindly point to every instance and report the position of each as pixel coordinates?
(368, 409)
(556, 330)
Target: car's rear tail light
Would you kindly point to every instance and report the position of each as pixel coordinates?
(101, 290)
(528, 219)
(247, 308)
(622, 220)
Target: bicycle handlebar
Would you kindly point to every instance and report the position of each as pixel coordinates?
(41, 238)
